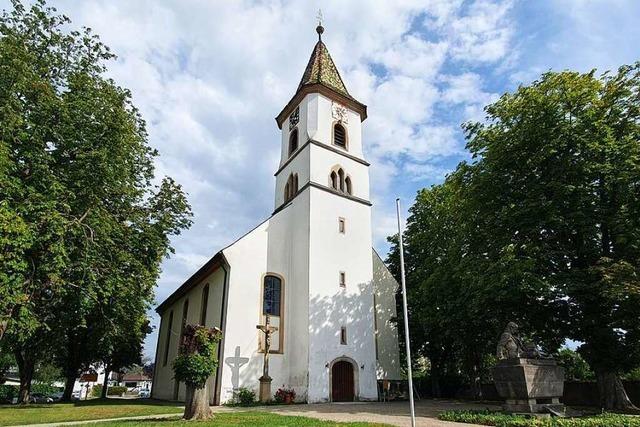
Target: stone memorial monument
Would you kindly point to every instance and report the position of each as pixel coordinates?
(528, 380)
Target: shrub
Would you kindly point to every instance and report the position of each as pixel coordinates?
(244, 396)
(498, 419)
(116, 390)
(96, 390)
(43, 388)
(285, 395)
(8, 392)
(197, 359)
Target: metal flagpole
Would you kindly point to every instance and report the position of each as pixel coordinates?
(406, 316)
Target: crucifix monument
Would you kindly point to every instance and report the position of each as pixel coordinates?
(265, 379)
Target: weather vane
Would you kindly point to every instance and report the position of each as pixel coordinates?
(319, 28)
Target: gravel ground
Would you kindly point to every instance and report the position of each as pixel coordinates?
(394, 413)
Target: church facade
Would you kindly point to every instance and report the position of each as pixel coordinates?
(310, 267)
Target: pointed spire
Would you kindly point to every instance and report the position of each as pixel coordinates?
(321, 76)
(321, 68)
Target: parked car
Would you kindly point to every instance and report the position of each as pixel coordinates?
(40, 398)
(144, 393)
(57, 396)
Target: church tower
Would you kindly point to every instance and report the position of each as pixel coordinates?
(323, 179)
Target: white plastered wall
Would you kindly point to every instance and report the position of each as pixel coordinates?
(331, 306)
(387, 351)
(277, 246)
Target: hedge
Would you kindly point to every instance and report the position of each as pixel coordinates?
(8, 392)
(503, 420)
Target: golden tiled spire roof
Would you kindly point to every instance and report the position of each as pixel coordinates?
(321, 69)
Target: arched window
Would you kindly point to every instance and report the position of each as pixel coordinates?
(334, 180)
(205, 303)
(293, 141)
(271, 296)
(339, 135)
(291, 187)
(340, 181)
(166, 348)
(272, 306)
(185, 312)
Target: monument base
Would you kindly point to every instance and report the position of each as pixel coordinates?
(532, 406)
(265, 389)
(530, 385)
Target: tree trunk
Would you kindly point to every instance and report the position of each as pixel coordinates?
(612, 393)
(105, 384)
(70, 381)
(26, 366)
(197, 404)
(435, 383)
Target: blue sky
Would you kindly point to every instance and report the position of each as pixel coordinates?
(210, 76)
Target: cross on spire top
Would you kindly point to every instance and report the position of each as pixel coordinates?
(319, 28)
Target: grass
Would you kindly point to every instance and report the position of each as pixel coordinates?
(504, 420)
(86, 410)
(248, 419)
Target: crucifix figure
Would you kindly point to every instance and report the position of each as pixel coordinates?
(265, 380)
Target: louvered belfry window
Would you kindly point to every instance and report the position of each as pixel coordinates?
(339, 135)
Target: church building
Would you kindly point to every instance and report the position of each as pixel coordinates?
(310, 267)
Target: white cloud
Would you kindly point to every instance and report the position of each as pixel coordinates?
(482, 34)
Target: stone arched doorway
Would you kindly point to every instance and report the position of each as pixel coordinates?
(343, 380)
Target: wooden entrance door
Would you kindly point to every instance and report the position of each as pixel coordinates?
(342, 382)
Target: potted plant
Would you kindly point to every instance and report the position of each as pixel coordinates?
(285, 395)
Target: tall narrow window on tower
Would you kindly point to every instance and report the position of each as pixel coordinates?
(293, 141)
(343, 335)
(347, 184)
(339, 135)
(291, 187)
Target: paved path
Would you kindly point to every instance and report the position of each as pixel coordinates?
(394, 413)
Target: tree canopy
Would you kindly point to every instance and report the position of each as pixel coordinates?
(84, 222)
(542, 226)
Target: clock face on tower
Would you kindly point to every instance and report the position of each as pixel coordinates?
(294, 118)
(339, 112)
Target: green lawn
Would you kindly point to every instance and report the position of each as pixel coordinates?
(85, 410)
(249, 419)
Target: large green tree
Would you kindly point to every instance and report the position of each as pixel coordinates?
(542, 226)
(84, 224)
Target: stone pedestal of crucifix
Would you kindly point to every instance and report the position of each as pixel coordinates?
(265, 379)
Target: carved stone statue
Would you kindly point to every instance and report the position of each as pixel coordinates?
(511, 346)
(528, 380)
